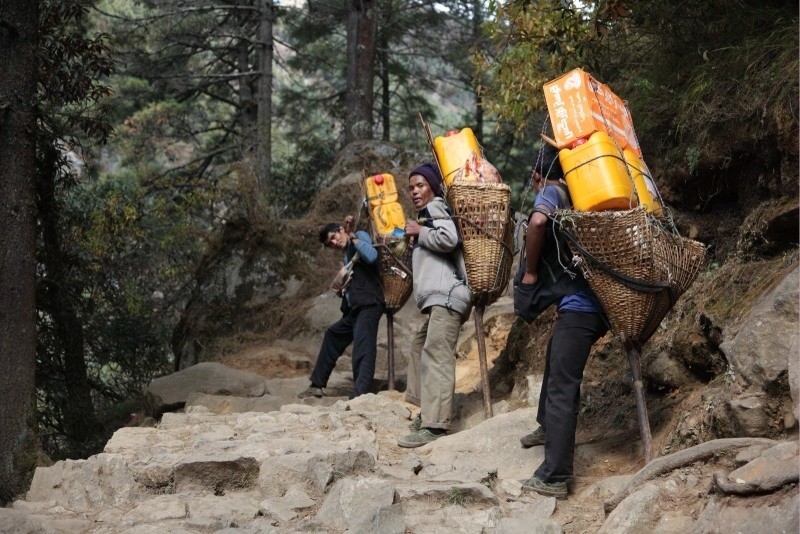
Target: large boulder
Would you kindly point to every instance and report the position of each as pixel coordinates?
(762, 346)
(172, 391)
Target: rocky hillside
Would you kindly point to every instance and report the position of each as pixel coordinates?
(225, 446)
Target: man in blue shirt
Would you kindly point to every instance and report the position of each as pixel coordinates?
(362, 306)
(579, 323)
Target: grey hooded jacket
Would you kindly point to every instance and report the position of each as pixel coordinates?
(438, 263)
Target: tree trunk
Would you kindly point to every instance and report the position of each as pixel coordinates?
(383, 66)
(264, 120)
(18, 43)
(80, 422)
(247, 104)
(361, 30)
(478, 114)
(477, 22)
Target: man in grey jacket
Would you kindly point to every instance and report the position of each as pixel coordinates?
(442, 294)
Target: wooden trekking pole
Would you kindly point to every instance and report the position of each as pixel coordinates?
(487, 395)
(390, 347)
(633, 349)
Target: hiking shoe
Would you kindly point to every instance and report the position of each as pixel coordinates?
(416, 424)
(311, 391)
(419, 438)
(534, 438)
(548, 489)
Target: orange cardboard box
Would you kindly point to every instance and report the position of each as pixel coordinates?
(579, 105)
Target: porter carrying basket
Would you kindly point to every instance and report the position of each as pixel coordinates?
(635, 267)
(481, 213)
(394, 259)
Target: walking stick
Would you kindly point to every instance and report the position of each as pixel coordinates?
(632, 348)
(390, 343)
(487, 395)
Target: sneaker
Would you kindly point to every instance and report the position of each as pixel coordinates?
(534, 438)
(548, 489)
(311, 391)
(416, 424)
(419, 438)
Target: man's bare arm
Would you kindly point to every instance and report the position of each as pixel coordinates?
(534, 239)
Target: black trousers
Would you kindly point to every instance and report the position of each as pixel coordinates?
(559, 402)
(360, 327)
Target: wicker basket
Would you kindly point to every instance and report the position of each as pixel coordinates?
(637, 268)
(394, 259)
(482, 216)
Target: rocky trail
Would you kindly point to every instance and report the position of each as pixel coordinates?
(337, 469)
(241, 453)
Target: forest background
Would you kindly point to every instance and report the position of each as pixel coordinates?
(133, 132)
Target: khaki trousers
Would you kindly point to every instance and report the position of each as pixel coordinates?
(432, 367)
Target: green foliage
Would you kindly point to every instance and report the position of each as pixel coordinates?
(72, 71)
(297, 175)
(748, 82)
(111, 284)
(692, 158)
(535, 42)
(702, 79)
(459, 497)
(189, 82)
(421, 53)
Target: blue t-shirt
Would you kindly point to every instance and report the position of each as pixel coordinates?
(584, 300)
(366, 250)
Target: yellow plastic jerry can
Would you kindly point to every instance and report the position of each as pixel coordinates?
(642, 179)
(596, 175)
(381, 189)
(389, 219)
(453, 150)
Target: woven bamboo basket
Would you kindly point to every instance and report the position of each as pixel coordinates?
(394, 261)
(637, 268)
(482, 218)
